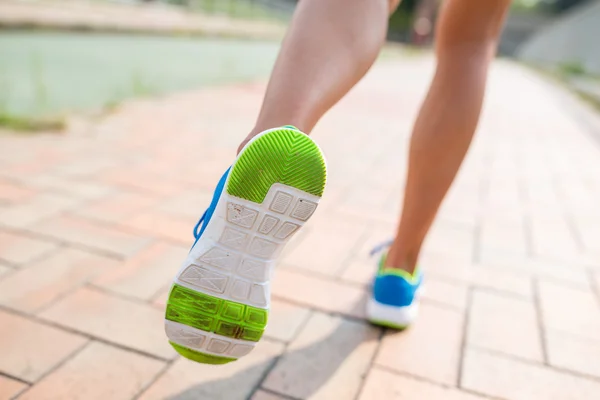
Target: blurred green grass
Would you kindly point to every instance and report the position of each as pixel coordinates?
(48, 74)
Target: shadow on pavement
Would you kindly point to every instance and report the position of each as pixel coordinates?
(297, 370)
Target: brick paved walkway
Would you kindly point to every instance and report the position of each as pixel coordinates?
(94, 223)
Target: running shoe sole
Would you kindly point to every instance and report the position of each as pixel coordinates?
(393, 317)
(219, 303)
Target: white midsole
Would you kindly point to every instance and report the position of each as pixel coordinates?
(401, 316)
(234, 245)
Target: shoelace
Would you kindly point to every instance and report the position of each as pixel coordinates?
(380, 247)
(198, 225)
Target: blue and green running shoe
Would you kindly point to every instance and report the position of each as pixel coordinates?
(218, 305)
(394, 302)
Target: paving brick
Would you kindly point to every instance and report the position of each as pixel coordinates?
(80, 189)
(503, 191)
(507, 236)
(9, 388)
(381, 384)
(117, 208)
(326, 248)
(18, 249)
(570, 310)
(453, 294)
(536, 267)
(344, 349)
(163, 225)
(573, 353)
(590, 235)
(144, 274)
(575, 192)
(36, 209)
(334, 192)
(47, 279)
(5, 270)
(285, 320)
(360, 272)
(507, 378)
(30, 349)
(33, 166)
(588, 259)
(444, 266)
(505, 279)
(187, 205)
(131, 179)
(324, 294)
(553, 238)
(504, 324)
(422, 350)
(372, 196)
(188, 380)
(451, 241)
(98, 372)
(262, 395)
(79, 231)
(362, 266)
(13, 193)
(116, 320)
(542, 196)
(89, 164)
(162, 296)
(463, 216)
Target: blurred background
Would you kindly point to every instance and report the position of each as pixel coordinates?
(51, 64)
(117, 118)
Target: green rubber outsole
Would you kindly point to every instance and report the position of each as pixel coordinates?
(211, 314)
(390, 325)
(285, 156)
(201, 357)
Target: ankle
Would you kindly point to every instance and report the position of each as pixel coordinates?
(410, 268)
(401, 260)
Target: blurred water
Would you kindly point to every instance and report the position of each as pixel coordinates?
(49, 72)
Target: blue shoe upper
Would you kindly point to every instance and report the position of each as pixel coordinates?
(205, 219)
(394, 287)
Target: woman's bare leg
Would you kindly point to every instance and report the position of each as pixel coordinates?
(468, 32)
(329, 47)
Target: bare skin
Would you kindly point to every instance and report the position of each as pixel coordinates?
(467, 39)
(329, 47)
(331, 44)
